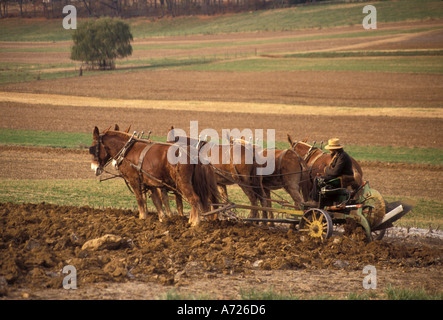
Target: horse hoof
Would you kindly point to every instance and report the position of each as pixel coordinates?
(194, 223)
(162, 218)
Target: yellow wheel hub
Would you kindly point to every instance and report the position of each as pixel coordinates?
(315, 225)
(316, 229)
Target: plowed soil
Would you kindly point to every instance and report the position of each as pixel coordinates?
(40, 239)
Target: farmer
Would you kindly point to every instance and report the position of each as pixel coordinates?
(340, 166)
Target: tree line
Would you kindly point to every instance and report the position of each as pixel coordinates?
(138, 8)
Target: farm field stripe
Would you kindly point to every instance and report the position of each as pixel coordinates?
(217, 106)
(18, 140)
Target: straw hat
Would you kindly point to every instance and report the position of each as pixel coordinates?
(334, 144)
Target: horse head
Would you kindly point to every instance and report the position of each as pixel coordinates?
(99, 154)
(300, 147)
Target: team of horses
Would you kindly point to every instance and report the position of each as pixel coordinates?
(146, 169)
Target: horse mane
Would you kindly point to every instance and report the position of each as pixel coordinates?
(116, 133)
(304, 143)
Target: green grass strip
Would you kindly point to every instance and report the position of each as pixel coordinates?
(71, 140)
(55, 139)
(417, 64)
(75, 192)
(78, 140)
(379, 53)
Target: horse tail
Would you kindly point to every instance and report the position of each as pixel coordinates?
(204, 185)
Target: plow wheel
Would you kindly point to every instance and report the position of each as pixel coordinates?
(316, 223)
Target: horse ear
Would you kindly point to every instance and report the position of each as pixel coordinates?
(127, 130)
(116, 128)
(291, 143)
(170, 136)
(95, 133)
(305, 140)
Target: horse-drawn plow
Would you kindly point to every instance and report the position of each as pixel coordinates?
(357, 207)
(365, 209)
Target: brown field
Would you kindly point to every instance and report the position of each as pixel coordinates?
(344, 89)
(357, 130)
(219, 259)
(237, 43)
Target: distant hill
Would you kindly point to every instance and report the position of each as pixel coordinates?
(304, 17)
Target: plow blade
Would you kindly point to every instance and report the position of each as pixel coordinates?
(395, 210)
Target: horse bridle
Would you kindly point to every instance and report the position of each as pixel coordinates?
(95, 151)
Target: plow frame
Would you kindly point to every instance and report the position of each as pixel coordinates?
(319, 222)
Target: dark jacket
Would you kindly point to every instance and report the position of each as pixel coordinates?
(341, 165)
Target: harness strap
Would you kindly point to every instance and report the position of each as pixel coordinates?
(309, 154)
(315, 159)
(122, 153)
(142, 157)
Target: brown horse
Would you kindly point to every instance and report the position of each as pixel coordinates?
(230, 172)
(163, 192)
(290, 173)
(317, 160)
(145, 167)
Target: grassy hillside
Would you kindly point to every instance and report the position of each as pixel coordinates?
(304, 17)
(318, 16)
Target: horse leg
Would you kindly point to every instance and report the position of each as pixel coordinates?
(196, 206)
(214, 200)
(223, 192)
(179, 203)
(196, 209)
(184, 184)
(252, 196)
(165, 200)
(266, 202)
(294, 191)
(140, 196)
(156, 199)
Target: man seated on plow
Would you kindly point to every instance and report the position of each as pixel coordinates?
(340, 167)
